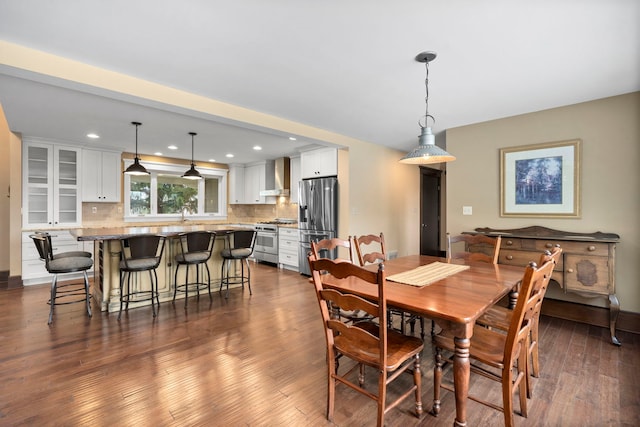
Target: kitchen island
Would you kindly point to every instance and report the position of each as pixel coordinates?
(106, 285)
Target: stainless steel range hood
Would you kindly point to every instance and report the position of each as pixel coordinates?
(278, 179)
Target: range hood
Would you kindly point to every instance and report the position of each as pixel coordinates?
(277, 179)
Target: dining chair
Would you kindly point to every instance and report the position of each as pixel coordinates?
(485, 248)
(329, 248)
(500, 317)
(66, 293)
(388, 352)
(195, 250)
(496, 355)
(238, 246)
(371, 249)
(139, 254)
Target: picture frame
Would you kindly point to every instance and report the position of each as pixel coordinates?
(541, 180)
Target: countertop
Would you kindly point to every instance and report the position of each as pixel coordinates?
(115, 233)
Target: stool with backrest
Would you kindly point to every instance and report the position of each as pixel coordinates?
(62, 254)
(195, 250)
(64, 293)
(238, 247)
(139, 254)
(496, 355)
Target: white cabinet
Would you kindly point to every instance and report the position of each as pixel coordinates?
(253, 183)
(294, 178)
(236, 184)
(288, 243)
(319, 163)
(33, 269)
(51, 186)
(101, 176)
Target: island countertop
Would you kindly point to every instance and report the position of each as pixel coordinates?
(115, 233)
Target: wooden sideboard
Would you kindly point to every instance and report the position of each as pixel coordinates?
(587, 266)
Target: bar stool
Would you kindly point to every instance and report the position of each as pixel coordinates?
(66, 293)
(195, 249)
(140, 253)
(62, 254)
(238, 247)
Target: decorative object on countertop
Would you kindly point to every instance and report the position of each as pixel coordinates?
(192, 173)
(427, 151)
(136, 168)
(541, 180)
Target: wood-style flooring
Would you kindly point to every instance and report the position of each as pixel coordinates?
(260, 361)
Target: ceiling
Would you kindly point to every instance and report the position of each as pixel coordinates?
(345, 67)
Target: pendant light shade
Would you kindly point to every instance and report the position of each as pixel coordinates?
(427, 151)
(192, 173)
(136, 168)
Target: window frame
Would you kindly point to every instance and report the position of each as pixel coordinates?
(156, 168)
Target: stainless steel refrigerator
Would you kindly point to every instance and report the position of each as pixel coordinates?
(317, 216)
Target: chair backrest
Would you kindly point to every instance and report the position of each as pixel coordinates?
(43, 245)
(144, 246)
(197, 241)
(534, 280)
(327, 248)
(340, 328)
(489, 248)
(370, 248)
(242, 239)
(552, 256)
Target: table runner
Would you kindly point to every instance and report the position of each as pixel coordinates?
(427, 274)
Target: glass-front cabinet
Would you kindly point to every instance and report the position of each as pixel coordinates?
(51, 185)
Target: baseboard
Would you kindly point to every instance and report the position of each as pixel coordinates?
(591, 315)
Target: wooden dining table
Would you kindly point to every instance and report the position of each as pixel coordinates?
(454, 303)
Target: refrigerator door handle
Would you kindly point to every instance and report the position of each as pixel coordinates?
(303, 214)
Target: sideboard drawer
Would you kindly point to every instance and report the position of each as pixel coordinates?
(589, 274)
(587, 248)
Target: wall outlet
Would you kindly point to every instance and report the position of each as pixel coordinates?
(467, 210)
(94, 209)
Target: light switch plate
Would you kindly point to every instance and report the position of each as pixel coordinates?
(467, 210)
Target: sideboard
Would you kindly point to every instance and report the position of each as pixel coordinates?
(587, 266)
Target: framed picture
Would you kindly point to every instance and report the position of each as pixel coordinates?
(541, 180)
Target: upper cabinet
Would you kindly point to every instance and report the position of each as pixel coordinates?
(254, 181)
(246, 182)
(236, 184)
(294, 173)
(50, 183)
(101, 174)
(319, 163)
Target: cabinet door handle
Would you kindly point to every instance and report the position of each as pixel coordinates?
(509, 242)
(548, 245)
(510, 257)
(569, 270)
(591, 248)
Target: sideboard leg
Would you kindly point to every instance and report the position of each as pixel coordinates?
(614, 309)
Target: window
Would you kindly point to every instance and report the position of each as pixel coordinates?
(165, 195)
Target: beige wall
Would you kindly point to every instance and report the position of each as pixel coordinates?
(5, 174)
(610, 132)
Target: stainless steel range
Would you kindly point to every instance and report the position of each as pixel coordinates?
(266, 247)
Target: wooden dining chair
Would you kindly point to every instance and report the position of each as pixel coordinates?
(328, 248)
(388, 352)
(496, 355)
(500, 317)
(477, 247)
(371, 249)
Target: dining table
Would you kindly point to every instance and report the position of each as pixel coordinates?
(454, 301)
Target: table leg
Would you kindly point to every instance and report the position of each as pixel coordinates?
(461, 373)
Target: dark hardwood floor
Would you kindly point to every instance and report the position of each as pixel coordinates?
(260, 361)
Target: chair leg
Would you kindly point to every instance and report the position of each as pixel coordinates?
(208, 280)
(54, 286)
(197, 266)
(86, 291)
(382, 396)
(186, 286)
(332, 370)
(175, 283)
(248, 275)
(154, 292)
(122, 274)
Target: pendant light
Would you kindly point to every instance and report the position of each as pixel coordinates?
(192, 173)
(136, 168)
(427, 151)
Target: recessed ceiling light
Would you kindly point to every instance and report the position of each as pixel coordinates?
(257, 147)
(212, 160)
(172, 147)
(157, 153)
(293, 138)
(229, 155)
(93, 135)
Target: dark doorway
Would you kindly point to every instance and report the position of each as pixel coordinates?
(430, 180)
